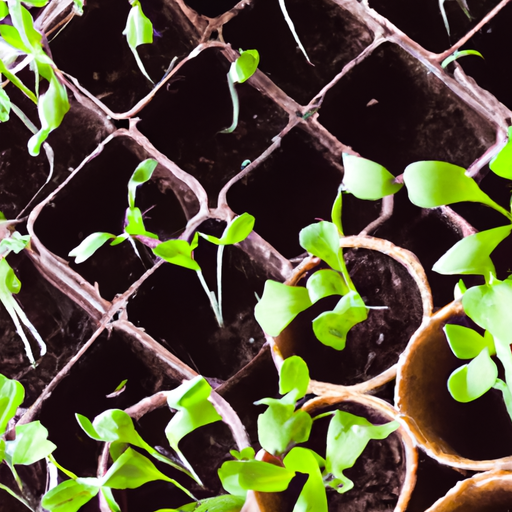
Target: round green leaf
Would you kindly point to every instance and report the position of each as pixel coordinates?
(141, 175)
(433, 183)
(324, 283)
(9, 282)
(279, 305)
(471, 255)
(294, 375)
(467, 343)
(177, 252)
(236, 231)
(472, 380)
(12, 394)
(366, 179)
(323, 241)
(70, 495)
(30, 445)
(245, 66)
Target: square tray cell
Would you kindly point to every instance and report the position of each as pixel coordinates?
(295, 186)
(422, 21)
(101, 59)
(281, 58)
(173, 308)
(62, 325)
(184, 119)
(494, 43)
(22, 175)
(95, 200)
(391, 109)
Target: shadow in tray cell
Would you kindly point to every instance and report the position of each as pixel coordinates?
(493, 42)
(184, 119)
(287, 192)
(102, 60)
(263, 26)
(172, 306)
(422, 21)
(211, 9)
(391, 109)
(95, 200)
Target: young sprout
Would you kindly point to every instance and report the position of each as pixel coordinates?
(291, 26)
(10, 285)
(138, 30)
(240, 71)
(20, 38)
(462, 4)
(457, 55)
(30, 443)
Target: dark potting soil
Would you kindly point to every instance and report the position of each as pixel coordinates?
(111, 359)
(184, 119)
(373, 345)
(95, 200)
(492, 42)
(423, 21)
(281, 58)
(172, 306)
(415, 117)
(63, 326)
(378, 473)
(101, 59)
(293, 188)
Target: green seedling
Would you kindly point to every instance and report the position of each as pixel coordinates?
(134, 228)
(240, 71)
(431, 184)
(138, 30)
(281, 303)
(131, 469)
(457, 55)
(10, 285)
(281, 427)
(20, 40)
(462, 4)
(30, 443)
(291, 26)
(180, 252)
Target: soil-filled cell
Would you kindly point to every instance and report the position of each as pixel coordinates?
(391, 109)
(423, 21)
(95, 200)
(101, 59)
(373, 345)
(379, 472)
(172, 306)
(61, 324)
(293, 188)
(493, 42)
(22, 175)
(184, 119)
(281, 58)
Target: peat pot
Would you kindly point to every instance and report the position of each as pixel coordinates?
(386, 276)
(475, 435)
(384, 475)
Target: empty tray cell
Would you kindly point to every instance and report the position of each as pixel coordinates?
(281, 58)
(423, 22)
(95, 200)
(62, 325)
(494, 43)
(22, 175)
(173, 308)
(101, 59)
(184, 119)
(293, 188)
(391, 109)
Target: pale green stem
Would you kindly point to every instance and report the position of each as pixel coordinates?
(344, 272)
(291, 26)
(220, 255)
(507, 395)
(211, 297)
(502, 210)
(236, 106)
(505, 356)
(187, 464)
(14, 495)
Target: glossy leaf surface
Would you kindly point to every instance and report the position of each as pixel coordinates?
(322, 240)
(12, 394)
(324, 283)
(466, 343)
(89, 246)
(71, 495)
